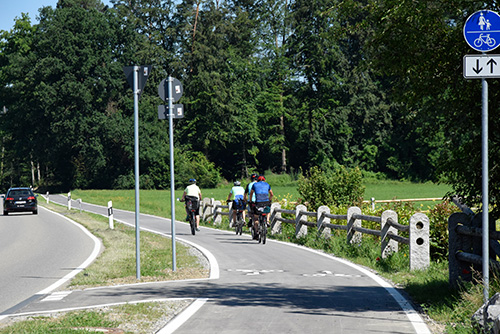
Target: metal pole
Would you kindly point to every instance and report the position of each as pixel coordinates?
(172, 183)
(136, 169)
(484, 151)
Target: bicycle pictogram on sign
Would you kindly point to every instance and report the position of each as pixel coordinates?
(482, 30)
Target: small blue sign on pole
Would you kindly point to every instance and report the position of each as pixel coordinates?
(482, 30)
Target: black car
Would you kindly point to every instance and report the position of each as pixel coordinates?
(20, 199)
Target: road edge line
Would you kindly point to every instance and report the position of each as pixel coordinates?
(182, 317)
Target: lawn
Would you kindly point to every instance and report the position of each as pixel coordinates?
(158, 202)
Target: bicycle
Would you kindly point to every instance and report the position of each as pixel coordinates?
(191, 207)
(238, 224)
(263, 211)
(484, 39)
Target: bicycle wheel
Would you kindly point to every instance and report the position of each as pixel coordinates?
(264, 230)
(239, 224)
(192, 222)
(260, 229)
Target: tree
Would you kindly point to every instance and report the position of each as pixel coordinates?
(70, 77)
(221, 75)
(420, 45)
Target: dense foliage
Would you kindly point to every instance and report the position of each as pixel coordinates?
(268, 85)
(337, 187)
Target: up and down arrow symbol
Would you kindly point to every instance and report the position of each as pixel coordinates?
(481, 66)
(477, 69)
(491, 63)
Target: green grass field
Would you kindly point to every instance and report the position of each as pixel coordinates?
(386, 190)
(159, 202)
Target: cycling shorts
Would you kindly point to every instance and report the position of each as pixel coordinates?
(239, 205)
(193, 203)
(251, 207)
(258, 205)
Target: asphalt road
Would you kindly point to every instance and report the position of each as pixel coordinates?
(39, 253)
(255, 288)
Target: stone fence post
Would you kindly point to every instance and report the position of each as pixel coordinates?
(207, 209)
(275, 224)
(324, 231)
(388, 245)
(300, 229)
(217, 217)
(420, 248)
(353, 237)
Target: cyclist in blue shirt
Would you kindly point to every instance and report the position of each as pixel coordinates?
(251, 200)
(263, 197)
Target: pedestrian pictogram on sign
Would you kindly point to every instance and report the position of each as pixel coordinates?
(482, 30)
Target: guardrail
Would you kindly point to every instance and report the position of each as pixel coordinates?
(465, 247)
(418, 228)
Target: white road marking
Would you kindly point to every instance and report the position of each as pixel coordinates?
(56, 296)
(252, 272)
(325, 273)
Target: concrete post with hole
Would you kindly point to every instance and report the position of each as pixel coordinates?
(419, 242)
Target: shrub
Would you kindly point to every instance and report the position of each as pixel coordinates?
(340, 186)
(438, 219)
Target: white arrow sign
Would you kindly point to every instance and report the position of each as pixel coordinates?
(481, 66)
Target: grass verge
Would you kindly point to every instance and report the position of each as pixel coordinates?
(116, 265)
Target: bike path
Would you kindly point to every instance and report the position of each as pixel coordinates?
(276, 287)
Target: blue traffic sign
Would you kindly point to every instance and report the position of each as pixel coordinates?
(482, 30)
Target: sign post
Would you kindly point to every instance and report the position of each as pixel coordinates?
(482, 33)
(171, 89)
(137, 77)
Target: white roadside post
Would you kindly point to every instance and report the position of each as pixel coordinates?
(110, 215)
(69, 201)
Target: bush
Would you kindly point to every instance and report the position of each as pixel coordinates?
(438, 219)
(340, 186)
(195, 165)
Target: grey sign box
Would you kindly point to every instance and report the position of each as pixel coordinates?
(177, 89)
(178, 111)
(144, 72)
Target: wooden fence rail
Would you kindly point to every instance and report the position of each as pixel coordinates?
(418, 228)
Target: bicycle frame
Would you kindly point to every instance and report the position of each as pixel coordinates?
(262, 227)
(191, 216)
(239, 221)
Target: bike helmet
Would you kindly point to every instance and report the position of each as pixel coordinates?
(261, 178)
(237, 183)
(192, 181)
(253, 177)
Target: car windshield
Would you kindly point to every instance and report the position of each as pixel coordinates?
(19, 193)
